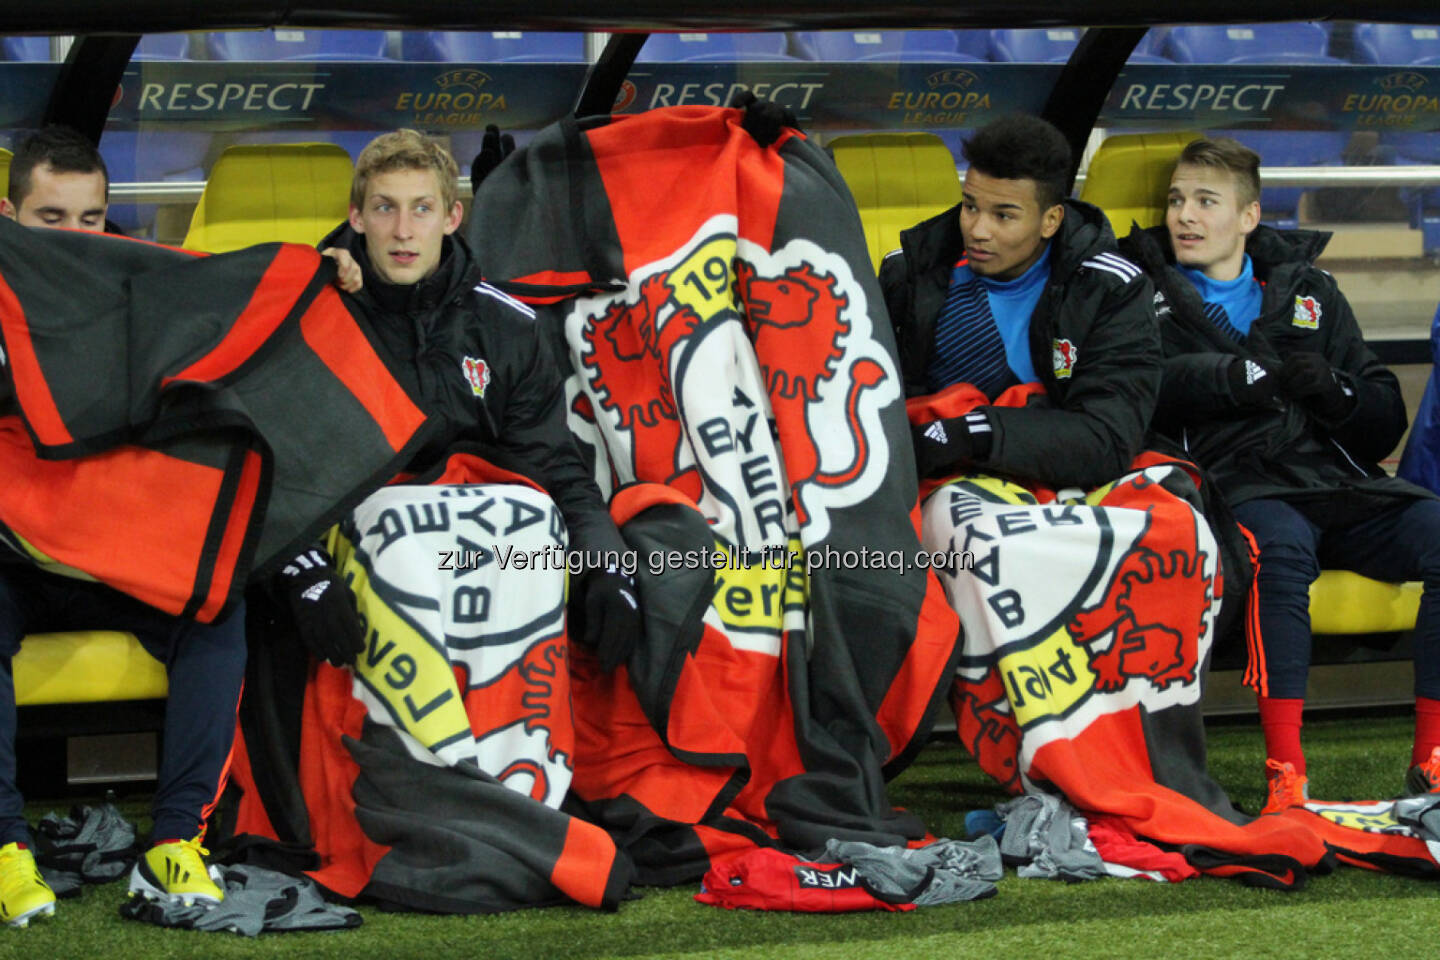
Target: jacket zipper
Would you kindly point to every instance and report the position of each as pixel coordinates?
(1348, 458)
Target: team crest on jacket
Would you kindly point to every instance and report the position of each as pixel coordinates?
(1307, 313)
(748, 378)
(1064, 355)
(477, 374)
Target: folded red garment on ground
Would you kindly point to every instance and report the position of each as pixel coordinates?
(767, 879)
(1118, 844)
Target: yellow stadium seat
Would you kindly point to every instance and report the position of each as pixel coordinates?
(897, 179)
(1345, 602)
(294, 192)
(1129, 177)
(84, 667)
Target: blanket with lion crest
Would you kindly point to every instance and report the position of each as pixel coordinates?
(732, 381)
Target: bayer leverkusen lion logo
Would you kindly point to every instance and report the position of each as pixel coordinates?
(1147, 622)
(785, 313)
(1120, 613)
(1307, 313)
(1064, 355)
(746, 377)
(477, 374)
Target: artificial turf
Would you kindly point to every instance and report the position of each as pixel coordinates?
(1350, 912)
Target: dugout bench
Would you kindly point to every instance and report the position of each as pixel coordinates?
(298, 192)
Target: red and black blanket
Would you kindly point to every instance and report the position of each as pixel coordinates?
(173, 420)
(1089, 617)
(731, 377)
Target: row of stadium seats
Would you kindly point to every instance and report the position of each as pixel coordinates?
(1300, 43)
(1294, 43)
(149, 156)
(155, 46)
(347, 45)
(181, 155)
(1291, 43)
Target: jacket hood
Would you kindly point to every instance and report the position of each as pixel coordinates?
(1273, 247)
(1268, 247)
(1083, 233)
(449, 278)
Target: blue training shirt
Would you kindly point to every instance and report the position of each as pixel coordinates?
(1232, 305)
(982, 335)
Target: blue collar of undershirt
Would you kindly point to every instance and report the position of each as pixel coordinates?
(1221, 291)
(1023, 285)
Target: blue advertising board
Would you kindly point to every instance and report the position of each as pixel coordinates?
(444, 98)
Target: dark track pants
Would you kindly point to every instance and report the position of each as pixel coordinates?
(1396, 544)
(205, 664)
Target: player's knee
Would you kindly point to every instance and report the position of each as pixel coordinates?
(227, 637)
(1288, 560)
(1427, 563)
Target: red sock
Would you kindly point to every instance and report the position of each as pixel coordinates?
(1427, 729)
(1280, 721)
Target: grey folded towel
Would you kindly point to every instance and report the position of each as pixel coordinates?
(256, 900)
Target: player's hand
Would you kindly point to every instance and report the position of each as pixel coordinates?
(1309, 378)
(764, 119)
(950, 443)
(1251, 385)
(494, 148)
(607, 618)
(322, 607)
(348, 276)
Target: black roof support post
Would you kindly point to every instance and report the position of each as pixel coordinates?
(602, 83)
(1083, 85)
(86, 87)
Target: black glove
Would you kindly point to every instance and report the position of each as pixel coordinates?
(947, 444)
(1309, 379)
(1251, 385)
(323, 608)
(764, 119)
(606, 616)
(494, 148)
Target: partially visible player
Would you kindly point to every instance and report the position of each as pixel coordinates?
(58, 179)
(417, 280)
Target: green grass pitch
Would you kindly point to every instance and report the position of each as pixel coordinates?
(1349, 913)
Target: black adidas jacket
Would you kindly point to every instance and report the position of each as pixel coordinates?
(476, 361)
(1284, 451)
(1094, 344)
